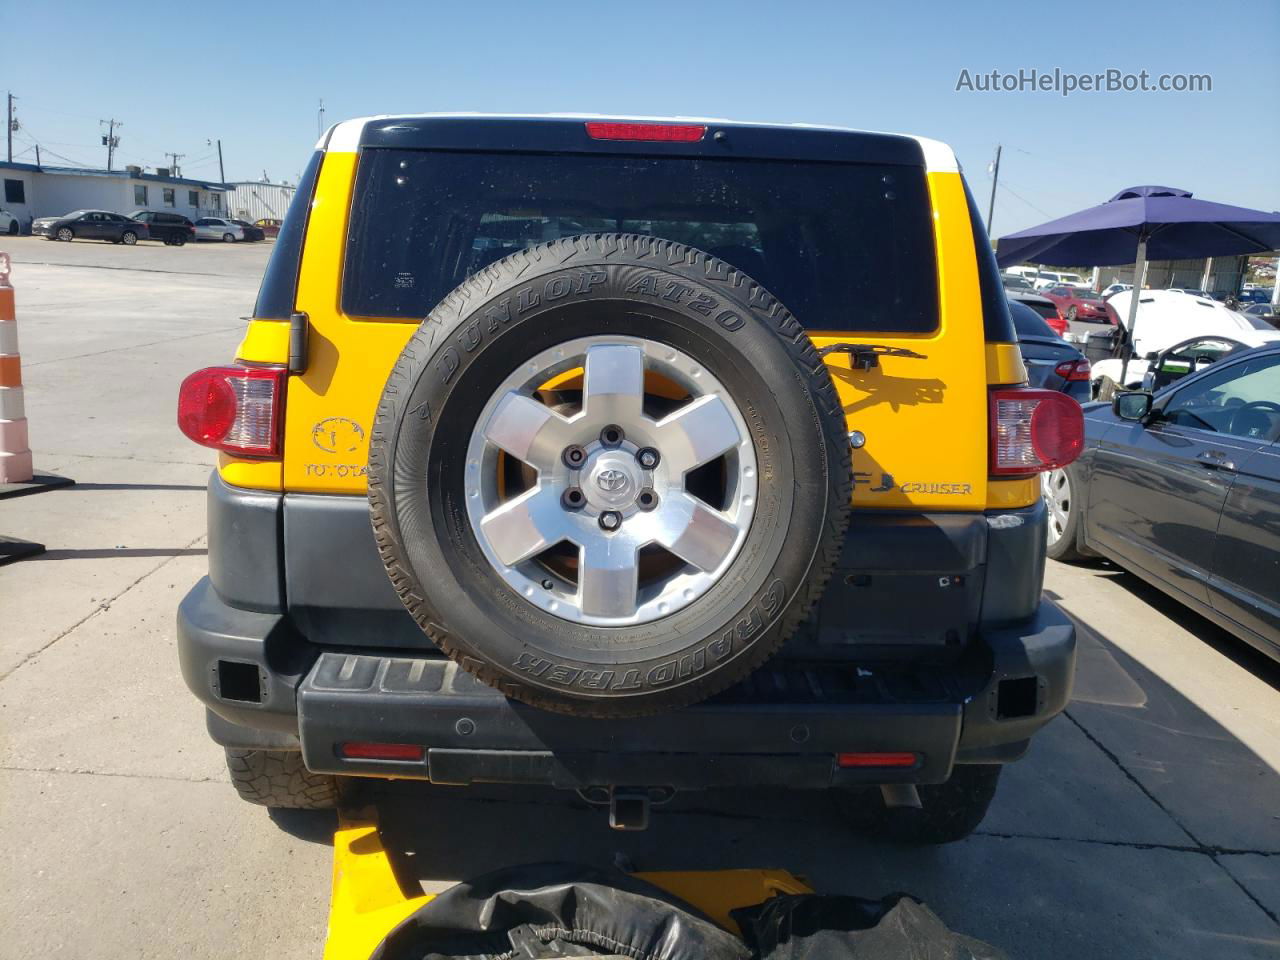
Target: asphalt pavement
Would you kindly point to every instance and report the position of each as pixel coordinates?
(1143, 823)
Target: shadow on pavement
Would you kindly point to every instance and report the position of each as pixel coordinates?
(1240, 652)
(107, 553)
(1137, 826)
(80, 487)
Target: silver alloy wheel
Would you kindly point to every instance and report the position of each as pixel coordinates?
(591, 487)
(128, 238)
(1055, 487)
(64, 233)
(228, 238)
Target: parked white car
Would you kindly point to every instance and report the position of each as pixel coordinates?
(1113, 289)
(8, 224)
(216, 228)
(1169, 317)
(1053, 278)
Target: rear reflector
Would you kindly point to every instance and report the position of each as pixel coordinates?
(381, 751)
(859, 760)
(237, 409)
(670, 132)
(1073, 370)
(1033, 431)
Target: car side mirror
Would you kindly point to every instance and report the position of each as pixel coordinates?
(1132, 405)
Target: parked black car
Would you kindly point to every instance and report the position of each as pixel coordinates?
(173, 228)
(90, 225)
(1051, 362)
(252, 232)
(1183, 489)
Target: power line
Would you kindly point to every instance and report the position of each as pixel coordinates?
(1005, 186)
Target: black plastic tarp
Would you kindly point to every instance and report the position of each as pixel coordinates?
(566, 910)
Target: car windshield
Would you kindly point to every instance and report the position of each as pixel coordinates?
(1028, 323)
(828, 239)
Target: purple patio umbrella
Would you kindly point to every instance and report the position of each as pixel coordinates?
(1141, 224)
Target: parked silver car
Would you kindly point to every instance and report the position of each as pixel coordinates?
(216, 228)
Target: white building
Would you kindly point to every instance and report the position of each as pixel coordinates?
(258, 200)
(32, 191)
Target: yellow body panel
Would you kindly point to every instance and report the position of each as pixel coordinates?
(367, 900)
(330, 408)
(925, 420)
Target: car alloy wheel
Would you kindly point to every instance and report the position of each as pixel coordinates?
(1055, 487)
(228, 238)
(609, 479)
(64, 233)
(1071, 314)
(128, 238)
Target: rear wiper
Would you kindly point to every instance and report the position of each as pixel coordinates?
(864, 356)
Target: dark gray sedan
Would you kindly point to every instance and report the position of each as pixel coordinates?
(1182, 488)
(90, 225)
(1051, 362)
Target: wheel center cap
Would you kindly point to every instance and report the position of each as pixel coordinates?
(611, 481)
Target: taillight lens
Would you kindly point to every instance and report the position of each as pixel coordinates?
(1033, 431)
(236, 409)
(670, 132)
(1073, 370)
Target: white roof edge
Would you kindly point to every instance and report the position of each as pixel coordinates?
(345, 137)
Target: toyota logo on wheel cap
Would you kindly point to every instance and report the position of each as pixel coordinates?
(611, 481)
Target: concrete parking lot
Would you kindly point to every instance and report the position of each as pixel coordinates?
(1144, 823)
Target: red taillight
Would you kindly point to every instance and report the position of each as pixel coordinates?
(670, 132)
(1033, 431)
(237, 409)
(1073, 370)
(859, 760)
(381, 751)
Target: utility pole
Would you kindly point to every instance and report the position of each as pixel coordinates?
(320, 119)
(111, 141)
(174, 168)
(10, 126)
(37, 155)
(995, 178)
(222, 176)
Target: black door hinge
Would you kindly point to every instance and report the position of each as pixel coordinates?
(864, 356)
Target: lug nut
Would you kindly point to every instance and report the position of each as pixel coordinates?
(611, 435)
(610, 520)
(647, 499)
(572, 499)
(574, 456)
(647, 457)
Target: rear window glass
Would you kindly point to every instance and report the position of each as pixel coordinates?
(846, 247)
(1028, 323)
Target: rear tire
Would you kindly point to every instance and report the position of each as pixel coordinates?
(949, 811)
(228, 238)
(279, 779)
(13, 228)
(128, 238)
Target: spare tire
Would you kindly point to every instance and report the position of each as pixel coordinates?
(609, 475)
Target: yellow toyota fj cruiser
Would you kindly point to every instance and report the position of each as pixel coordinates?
(538, 460)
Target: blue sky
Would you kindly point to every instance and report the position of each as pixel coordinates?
(252, 74)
